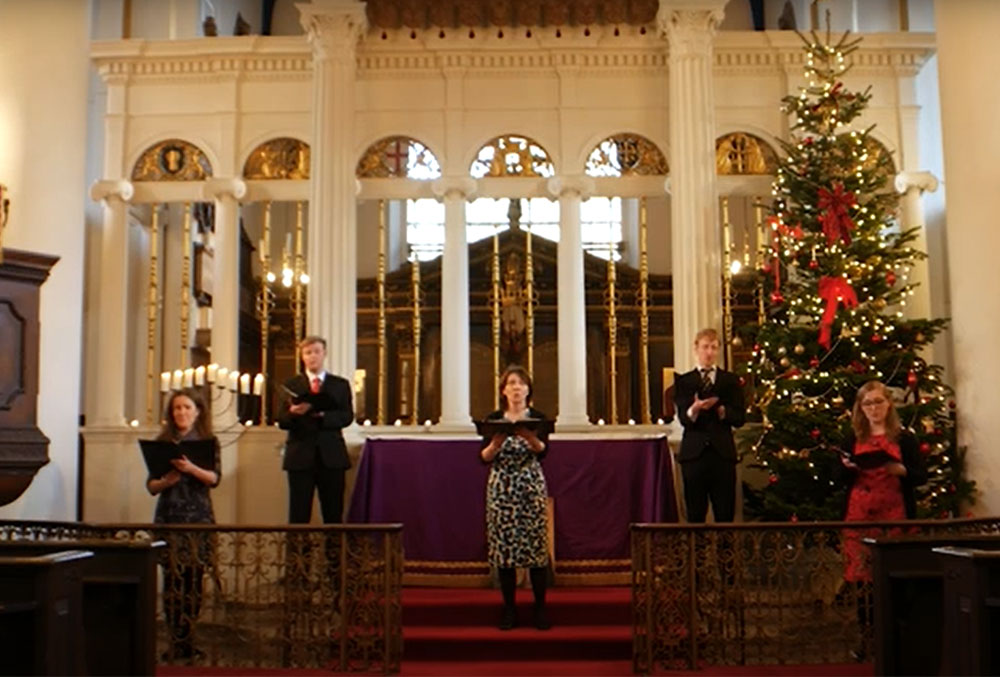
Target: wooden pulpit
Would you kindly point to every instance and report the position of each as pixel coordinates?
(23, 447)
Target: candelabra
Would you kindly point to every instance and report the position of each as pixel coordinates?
(220, 385)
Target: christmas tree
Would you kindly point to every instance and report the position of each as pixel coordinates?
(834, 278)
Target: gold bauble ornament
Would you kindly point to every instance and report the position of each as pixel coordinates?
(799, 349)
(837, 401)
(785, 362)
(782, 350)
(879, 304)
(737, 342)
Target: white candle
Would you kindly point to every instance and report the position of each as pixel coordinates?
(164, 381)
(245, 384)
(212, 372)
(178, 379)
(234, 380)
(188, 377)
(258, 384)
(222, 376)
(288, 241)
(199, 376)
(260, 250)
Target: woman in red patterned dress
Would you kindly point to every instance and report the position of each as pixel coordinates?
(883, 466)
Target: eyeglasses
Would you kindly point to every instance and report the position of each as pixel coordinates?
(874, 403)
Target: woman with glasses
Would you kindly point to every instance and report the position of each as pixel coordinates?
(882, 465)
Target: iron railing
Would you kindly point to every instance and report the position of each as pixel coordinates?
(267, 596)
(757, 593)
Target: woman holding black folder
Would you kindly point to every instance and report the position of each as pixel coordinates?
(184, 499)
(882, 465)
(516, 496)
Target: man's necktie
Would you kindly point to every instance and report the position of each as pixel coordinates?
(706, 380)
(314, 385)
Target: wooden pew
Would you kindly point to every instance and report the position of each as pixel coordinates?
(909, 586)
(41, 613)
(118, 601)
(971, 610)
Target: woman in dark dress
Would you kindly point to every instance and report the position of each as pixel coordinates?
(882, 465)
(184, 499)
(516, 499)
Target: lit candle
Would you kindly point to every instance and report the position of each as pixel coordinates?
(234, 380)
(245, 384)
(188, 377)
(213, 371)
(398, 422)
(164, 381)
(222, 376)
(199, 376)
(178, 379)
(258, 384)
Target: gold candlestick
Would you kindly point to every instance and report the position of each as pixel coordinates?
(495, 315)
(186, 287)
(727, 284)
(152, 310)
(380, 276)
(612, 334)
(529, 299)
(644, 314)
(265, 300)
(415, 279)
(300, 278)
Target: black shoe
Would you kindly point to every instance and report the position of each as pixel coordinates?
(541, 619)
(508, 620)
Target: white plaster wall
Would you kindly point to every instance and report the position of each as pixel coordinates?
(967, 48)
(43, 116)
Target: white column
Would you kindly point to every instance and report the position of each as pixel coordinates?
(226, 192)
(696, 244)
(966, 41)
(109, 407)
(455, 378)
(333, 28)
(571, 300)
(911, 185)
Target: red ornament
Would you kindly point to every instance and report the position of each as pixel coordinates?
(951, 404)
(777, 297)
(793, 518)
(743, 381)
(876, 338)
(937, 431)
(814, 362)
(911, 379)
(815, 433)
(925, 448)
(890, 278)
(813, 264)
(756, 347)
(773, 479)
(766, 268)
(807, 141)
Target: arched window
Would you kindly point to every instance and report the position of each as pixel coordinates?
(741, 153)
(512, 156)
(172, 160)
(626, 155)
(398, 157)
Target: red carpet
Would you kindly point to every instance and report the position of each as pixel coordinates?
(453, 632)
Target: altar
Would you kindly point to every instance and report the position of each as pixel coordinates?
(436, 488)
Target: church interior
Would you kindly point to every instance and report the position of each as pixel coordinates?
(441, 189)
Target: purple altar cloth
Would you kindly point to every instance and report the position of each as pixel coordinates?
(437, 490)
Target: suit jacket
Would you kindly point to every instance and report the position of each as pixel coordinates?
(317, 430)
(708, 429)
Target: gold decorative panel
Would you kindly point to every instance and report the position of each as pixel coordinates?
(282, 158)
(740, 153)
(398, 157)
(626, 155)
(172, 160)
(512, 156)
(875, 156)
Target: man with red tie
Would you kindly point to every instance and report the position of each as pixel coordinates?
(317, 409)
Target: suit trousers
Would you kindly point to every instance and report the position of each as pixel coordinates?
(329, 482)
(709, 476)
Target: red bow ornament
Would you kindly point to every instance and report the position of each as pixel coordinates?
(833, 290)
(837, 224)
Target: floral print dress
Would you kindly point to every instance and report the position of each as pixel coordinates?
(516, 500)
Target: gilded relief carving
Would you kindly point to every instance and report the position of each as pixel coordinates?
(512, 156)
(282, 158)
(172, 160)
(398, 157)
(740, 153)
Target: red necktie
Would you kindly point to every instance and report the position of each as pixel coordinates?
(314, 385)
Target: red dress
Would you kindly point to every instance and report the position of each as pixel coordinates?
(875, 496)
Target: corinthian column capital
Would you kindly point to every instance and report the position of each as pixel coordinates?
(581, 185)
(925, 182)
(216, 188)
(455, 188)
(110, 189)
(689, 25)
(333, 26)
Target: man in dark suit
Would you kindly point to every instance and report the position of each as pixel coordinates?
(709, 405)
(317, 408)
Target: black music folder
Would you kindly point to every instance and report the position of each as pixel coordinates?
(321, 401)
(158, 454)
(501, 426)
